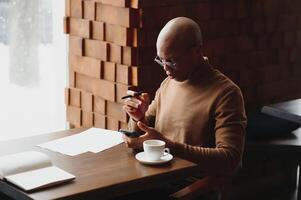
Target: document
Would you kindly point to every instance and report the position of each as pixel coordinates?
(92, 140)
(31, 170)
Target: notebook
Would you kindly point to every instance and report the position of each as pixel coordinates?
(31, 170)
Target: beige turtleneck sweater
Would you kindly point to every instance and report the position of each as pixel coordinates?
(204, 117)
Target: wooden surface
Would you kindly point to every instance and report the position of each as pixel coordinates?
(286, 149)
(289, 143)
(107, 174)
(288, 110)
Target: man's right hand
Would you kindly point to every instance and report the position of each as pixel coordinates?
(136, 106)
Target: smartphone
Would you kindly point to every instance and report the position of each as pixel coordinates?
(131, 134)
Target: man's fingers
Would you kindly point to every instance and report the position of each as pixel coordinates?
(131, 102)
(145, 97)
(144, 127)
(129, 109)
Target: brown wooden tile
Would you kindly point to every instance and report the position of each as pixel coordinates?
(74, 116)
(89, 10)
(87, 66)
(126, 17)
(118, 3)
(67, 96)
(99, 121)
(134, 76)
(75, 97)
(99, 87)
(109, 71)
(96, 49)
(99, 105)
(129, 56)
(67, 8)
(123, 125)
(80, 27)
(116, 53)
(112, 124)
(87, 101)
(76, 45)
(123, 74)
(71, 78)
(115, 110)
(98, 30)
(121, 35)
(76, 8)
(87, 119)
(127, 75)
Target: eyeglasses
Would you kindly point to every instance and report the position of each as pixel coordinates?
(172, 65)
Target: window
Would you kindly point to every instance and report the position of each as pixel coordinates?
(33, 67)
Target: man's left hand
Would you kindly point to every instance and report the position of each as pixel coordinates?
(150, 134)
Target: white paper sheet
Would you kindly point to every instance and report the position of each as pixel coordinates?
(94, 140)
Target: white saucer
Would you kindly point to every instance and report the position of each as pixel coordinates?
(143, 159)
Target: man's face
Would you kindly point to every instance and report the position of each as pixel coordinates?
(177, 62)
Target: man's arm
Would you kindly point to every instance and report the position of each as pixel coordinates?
(230, 122)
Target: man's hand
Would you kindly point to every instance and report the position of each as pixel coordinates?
(136, 106)
(150, 133)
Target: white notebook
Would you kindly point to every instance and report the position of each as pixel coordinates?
(31, 170)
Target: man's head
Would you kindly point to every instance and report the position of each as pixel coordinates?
(179, 47)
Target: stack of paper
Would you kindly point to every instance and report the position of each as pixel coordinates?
(93, 140)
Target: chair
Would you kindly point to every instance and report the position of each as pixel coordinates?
(203, 186)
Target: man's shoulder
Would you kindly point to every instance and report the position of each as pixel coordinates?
(223, 82)
(165, 82)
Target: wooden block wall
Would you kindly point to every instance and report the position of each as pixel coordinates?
(112, 46)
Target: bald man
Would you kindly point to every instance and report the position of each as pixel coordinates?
(197, 110)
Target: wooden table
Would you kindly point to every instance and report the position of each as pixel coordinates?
(107, 174)
(288, 110)
(287, 147)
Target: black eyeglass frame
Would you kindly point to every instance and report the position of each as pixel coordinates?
(161, 62)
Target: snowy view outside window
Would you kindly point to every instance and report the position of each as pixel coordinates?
(32, 67)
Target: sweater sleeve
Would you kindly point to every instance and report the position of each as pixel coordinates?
(229, 129)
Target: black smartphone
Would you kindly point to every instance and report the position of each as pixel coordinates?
(131, 134)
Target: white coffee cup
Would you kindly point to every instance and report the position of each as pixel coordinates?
(154, 149)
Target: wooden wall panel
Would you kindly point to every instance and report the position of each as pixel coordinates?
(87, 66)
(87, 119)
(98, 29)
(74, 116)
(76, 8)
(96, 49)
(109, 69)
(99, 121)
(126, 17)
(76, 45)
(75, 97)
(87, 101)
(89, 10)
(115, 110)
(99, 105)
(79, 27)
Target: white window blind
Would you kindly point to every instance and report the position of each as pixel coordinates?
(33, 69)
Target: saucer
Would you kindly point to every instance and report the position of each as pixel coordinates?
(143, 159)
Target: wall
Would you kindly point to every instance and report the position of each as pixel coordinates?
(112, 46)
